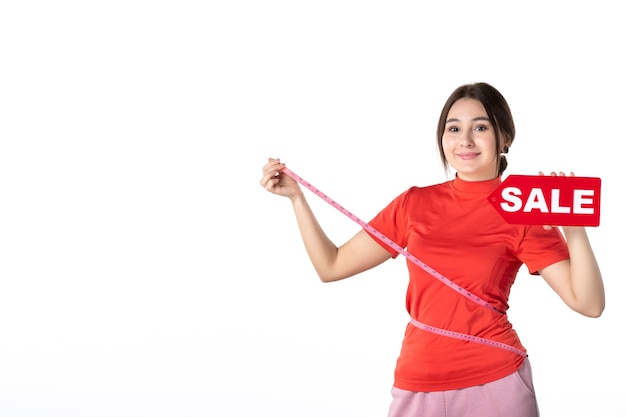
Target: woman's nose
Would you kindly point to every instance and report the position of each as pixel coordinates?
(467, 139)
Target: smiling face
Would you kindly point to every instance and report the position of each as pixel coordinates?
(469, 141)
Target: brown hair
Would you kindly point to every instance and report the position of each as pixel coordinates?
(497, 110)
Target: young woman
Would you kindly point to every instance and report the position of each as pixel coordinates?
(460, 355)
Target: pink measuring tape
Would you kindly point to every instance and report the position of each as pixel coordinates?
(419, 263)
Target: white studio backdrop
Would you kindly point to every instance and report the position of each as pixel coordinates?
(145, 272)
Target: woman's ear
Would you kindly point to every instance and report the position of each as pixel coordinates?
(506, 143)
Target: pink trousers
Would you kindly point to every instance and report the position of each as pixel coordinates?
(511, 396)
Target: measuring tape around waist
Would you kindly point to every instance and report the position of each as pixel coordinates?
(466, 337)
(419, 263)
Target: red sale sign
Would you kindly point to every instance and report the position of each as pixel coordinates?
(548, 200)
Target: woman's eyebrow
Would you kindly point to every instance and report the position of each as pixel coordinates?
(475, 119)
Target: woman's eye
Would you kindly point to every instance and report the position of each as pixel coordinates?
(453, 129)
(481, 128)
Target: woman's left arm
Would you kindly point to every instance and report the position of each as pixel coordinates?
(578, 281)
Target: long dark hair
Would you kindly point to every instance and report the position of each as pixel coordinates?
(497, 110)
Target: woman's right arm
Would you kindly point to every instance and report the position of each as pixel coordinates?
(331, 263)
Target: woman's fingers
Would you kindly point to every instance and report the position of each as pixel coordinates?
(271, 174)
(561, 174)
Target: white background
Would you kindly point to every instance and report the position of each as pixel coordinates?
(145, 272)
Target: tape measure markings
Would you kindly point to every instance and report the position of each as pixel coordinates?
(466, 337)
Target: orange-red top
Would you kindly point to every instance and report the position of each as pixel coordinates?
(453, 228)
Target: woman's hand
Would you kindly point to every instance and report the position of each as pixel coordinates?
(277, 182)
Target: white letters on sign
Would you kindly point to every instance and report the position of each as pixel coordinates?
(537, 201)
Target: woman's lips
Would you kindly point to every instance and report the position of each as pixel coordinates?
(467, 155)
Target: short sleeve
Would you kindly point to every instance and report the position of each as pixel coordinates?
(541, 248)
(391, 221)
